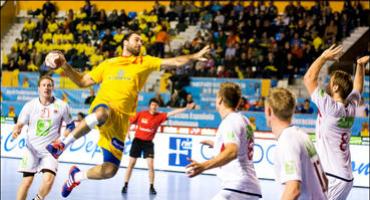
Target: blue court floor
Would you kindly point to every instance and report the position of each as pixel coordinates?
(169, 185)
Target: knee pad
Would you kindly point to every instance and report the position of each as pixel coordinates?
(91, 120)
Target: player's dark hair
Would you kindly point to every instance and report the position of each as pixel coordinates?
(128, 35)
(153, 100)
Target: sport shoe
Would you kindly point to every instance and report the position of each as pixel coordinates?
(152, 191)
(56, 149)
(124, 190)
(70, 182)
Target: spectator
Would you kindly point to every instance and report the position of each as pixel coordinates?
(362, 110)
(189, 101)
(305, 107)
(11, 112)
(160, 100)
(259, 105)
(162, 38)
(175, 101)
(80, 117)
(365, 130)
(28, 28)
(49, 9)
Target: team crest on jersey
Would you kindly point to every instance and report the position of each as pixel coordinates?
(289, 167)
(144, 120)
(120, 76)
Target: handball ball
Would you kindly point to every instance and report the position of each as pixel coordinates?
(54, 60)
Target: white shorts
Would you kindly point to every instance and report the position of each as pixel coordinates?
(231, 195)
(338, 189)
(34, 161)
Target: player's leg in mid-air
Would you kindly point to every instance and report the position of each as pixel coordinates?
(111, 141)
(98, 117)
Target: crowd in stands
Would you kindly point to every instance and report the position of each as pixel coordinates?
(247, 39)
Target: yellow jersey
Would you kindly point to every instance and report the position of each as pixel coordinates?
(121, 80)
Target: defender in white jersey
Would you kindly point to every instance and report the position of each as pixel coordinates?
(336, 113)
(233, 147)
(44, 117)
(297, 165)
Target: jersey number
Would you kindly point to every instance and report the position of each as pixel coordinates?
(344, 141)
(321, 175)
(250, 146)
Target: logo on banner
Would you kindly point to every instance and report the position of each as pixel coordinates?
(180, 149)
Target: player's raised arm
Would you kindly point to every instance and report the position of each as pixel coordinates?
(358, 83)
(56, 59)
(180, 110)
(312, 74)
(182, 60)
(80, 79)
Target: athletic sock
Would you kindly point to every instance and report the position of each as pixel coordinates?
(38, 197)
(80, 176)
(126, 184)
(68, 140)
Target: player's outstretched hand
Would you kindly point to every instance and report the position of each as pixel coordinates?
(194, 168)
(190, 106)
(15, 134)
(332, 53)
(55, 59)
(363, 60)
(201, 55)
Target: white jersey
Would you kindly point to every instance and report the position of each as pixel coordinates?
(239, 174)
(296, 159)
(44, 122)
(333, 131)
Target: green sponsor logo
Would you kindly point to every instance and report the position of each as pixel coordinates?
(43, 127)
(249, 132)
(310, 149)
(321, 92)
(289, 167)
(345, 122)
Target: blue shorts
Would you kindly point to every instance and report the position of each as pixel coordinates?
(109, 157)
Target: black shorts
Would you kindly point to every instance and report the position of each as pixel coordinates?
(141, 146)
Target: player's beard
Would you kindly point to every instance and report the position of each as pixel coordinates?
(133, 51)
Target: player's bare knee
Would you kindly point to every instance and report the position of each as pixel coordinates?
(109, 171)
(26, 183)
(48, 181)
(102, 114)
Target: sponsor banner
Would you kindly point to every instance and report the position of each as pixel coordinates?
(172, 151)
(208, 119)
(250, 87)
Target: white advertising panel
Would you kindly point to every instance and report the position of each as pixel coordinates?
(172, 151)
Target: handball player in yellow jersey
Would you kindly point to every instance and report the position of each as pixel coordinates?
(121, 79)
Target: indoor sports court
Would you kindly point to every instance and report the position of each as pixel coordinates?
(92, 89)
